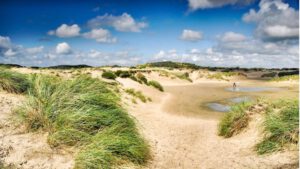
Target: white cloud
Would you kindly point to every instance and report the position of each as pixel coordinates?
(66, 31)
(123, 23)
(275, 20)
(5, 42)
(63, 48)
(191, 35)
(10, 53)
(202, 4)
(233, 37)
(100, 35)
(35, 50)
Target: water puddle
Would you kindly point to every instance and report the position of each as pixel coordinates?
(218, 107)
(252, 89)
(239, 99)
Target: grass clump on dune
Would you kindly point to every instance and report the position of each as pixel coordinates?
(235, 120)
(184, 76)
(138, 94)
(286, 78)
(156, 85)
(109, 75)
(86, 113)
(281, 126)
(13, 82)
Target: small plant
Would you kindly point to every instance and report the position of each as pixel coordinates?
(109, 75)
(184, 76)
(156, 84)
(137, 94)
(123, 74)
(141, 78)
(13, 82)
(235, 120)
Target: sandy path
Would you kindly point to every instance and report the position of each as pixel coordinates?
(192, 143)
(26, 150)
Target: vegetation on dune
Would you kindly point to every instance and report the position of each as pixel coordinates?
(172, 65)
(287, 73)
(86, 113)
(271, 74)
(221, 75)
(109, 75)
(184, 76)
(286, 78)
(141, 78)
(137, 94)
(13, 82)
(156, 85)
(123, 73)
(235, 120)
(281, 126)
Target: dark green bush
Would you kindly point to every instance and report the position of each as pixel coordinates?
(109, 75)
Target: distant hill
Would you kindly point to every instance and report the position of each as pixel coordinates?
(10, 65)
(69, 66)
(170, 64)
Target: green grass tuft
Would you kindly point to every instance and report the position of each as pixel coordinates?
(184, 76)
(13, 82)
(137, 94)
(281, 126)
(84, 112)
(156, 85)
(109, 75)
(235, 120)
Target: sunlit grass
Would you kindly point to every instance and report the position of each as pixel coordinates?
(86, 113)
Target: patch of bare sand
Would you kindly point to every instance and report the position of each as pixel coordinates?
(188, 142)
(26, 150)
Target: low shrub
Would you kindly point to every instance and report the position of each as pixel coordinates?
(156, 84)
(123, 74)
(184, 76)
(109, 75)
(141, 78)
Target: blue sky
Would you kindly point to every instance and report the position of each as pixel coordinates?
(128, 32)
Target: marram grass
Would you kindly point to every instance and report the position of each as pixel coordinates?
(281, 126)
(235, 120)
(13, 82)
(86, 113)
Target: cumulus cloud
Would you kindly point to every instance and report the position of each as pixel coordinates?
(123, 23)
(191, 35)
(4, 42)
(275, 20)
(100, 35)
(66, 31)
(10, 53)
(63, 48)
(233, 37)
(202, 4)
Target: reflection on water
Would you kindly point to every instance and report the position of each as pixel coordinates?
(252, 89)
(218, 107)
